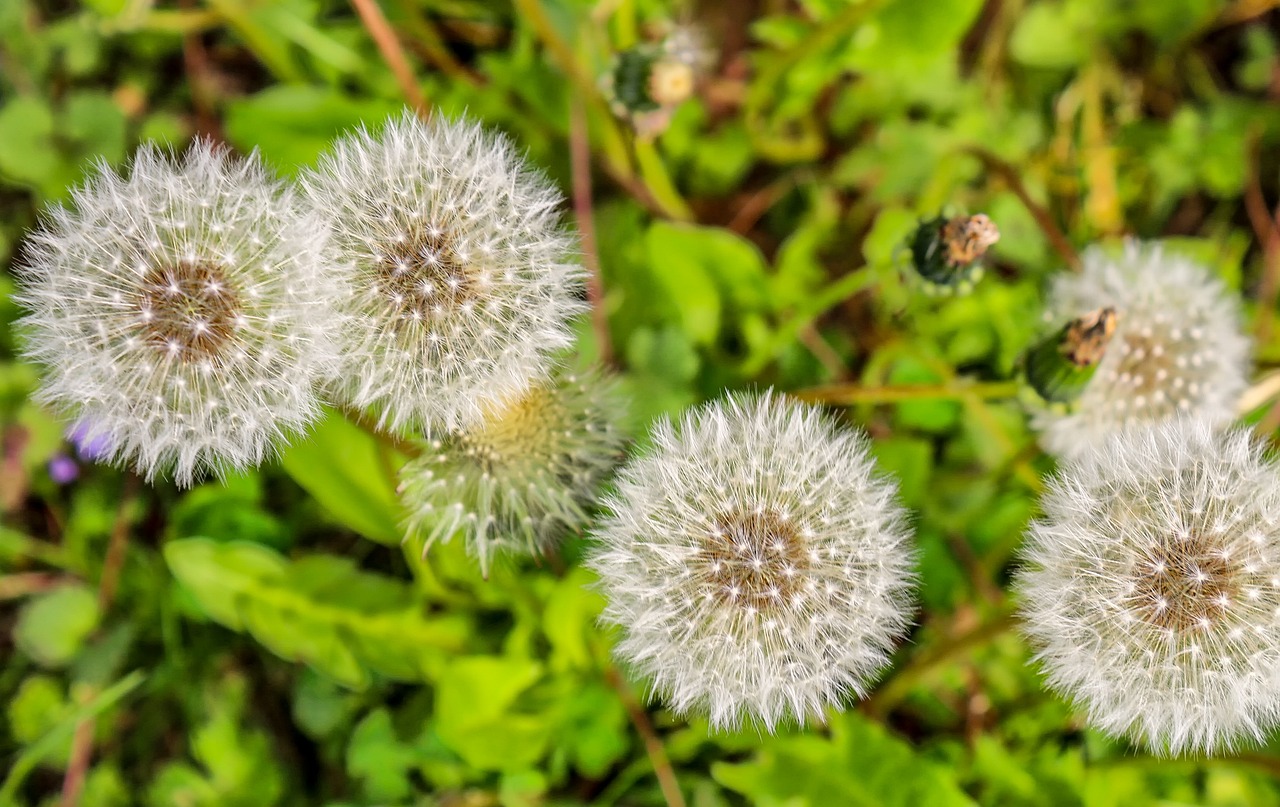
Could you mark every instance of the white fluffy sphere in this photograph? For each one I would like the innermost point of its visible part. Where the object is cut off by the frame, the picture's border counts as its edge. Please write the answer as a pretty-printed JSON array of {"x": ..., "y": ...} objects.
[
  {"x": 465, "y": 281},
  {"x": 181, "y": 311},
  {"x": 1151, "y": 586},
  {"x": 758, "y": 567},
  {"x": 1178, "y": 348}
]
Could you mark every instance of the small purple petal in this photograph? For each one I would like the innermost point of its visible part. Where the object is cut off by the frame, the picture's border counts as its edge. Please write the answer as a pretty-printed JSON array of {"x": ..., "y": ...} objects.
[
  {"x": 90, "y": 446},
  {"x": 63, "y": 470}
]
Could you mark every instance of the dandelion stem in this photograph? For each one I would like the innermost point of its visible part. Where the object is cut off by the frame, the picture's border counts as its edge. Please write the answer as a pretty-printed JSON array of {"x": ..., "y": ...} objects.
[
  {"x": 375, "y": 22},
  {"x": 850, "y": 394},
  {"x": 580, "y": 162},
  {"x": 1057, "y": 239},
  {"x": 900, "y": 683},
  {"x": 652, "y": 743}
]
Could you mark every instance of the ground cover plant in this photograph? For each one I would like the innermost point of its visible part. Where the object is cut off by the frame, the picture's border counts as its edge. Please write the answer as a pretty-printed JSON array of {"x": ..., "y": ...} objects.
[{"x": 632, "y": 402}]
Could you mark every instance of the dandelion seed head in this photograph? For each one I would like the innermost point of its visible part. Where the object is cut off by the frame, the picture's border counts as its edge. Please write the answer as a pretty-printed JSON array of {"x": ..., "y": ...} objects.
[
  {"x": 758, "y": 568},
  {"x": 1178, "y": 348},
  {"x": 524, "y": 476},
  {"x": 180, "y": 311},
  {"x": 465, "y": 282},
  {"x": 1148, "y": 586}
]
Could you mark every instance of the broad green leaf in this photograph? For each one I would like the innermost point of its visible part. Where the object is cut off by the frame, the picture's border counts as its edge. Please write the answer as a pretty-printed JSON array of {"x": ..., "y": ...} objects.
[
  {"x": 345, "y": 623},
  {"x": 860, "y": 764},
  {"x": 474, "y": 712},
  {"x": 679, "y": 261},
  {"x": 378, "y": 757},
  {"x": 350, "y": 473},
  {"x": 27, "y": 151},
  {"x": 52, "y": 626}
]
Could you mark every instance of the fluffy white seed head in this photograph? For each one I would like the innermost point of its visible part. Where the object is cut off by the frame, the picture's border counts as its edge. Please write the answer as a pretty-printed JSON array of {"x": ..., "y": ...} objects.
[
  {"x": 1178, "y": 348},
  {"x": 1151, "y": 586},
  {"x": 757, "y": 566},
  {"x": 181, "y": 311},
  {"x": 465, "y": 281},
  {"x": 524, "y": 476}
]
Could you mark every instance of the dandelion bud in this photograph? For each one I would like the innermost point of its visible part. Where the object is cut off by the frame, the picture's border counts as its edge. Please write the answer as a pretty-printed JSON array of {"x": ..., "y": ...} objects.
[
  {"x": 1152, "y": 584},
  {"x": 523, "y": 476},
  {"x": 647, "y": 82},
  {"x": 464, "y": 281},
  {"x": 757, "y": 566},
  {"x": 1059, "y": 367},
  {"x": 1177, "y": 347},
  {"x": 181, "y": 312},
  {"x": 947, "y": 252}
]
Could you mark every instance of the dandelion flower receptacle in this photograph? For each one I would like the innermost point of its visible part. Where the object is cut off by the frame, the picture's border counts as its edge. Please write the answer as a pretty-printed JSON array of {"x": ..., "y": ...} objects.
[
  {"x": 1177, "y": 347},
  {"x": 525, "y": 475},
  {"x": 465, "y": 282},
  {"x": 181, "y": 312},
  {"x": 1151, "y": 586},
  {"x": 758, "y": 568}
]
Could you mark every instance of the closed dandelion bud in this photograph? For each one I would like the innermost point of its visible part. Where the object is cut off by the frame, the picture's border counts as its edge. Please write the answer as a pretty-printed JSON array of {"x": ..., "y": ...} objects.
[
  {"x": 647, "y": 82},
  {"x": 1151, "y": 586},
  {"x": 757, "y": 566},
  {"x": 524, "y": 475},
  {"x": 947, "y": 252},
  {"x": 1177, "y": 348},
  {"x": 464, "y": 280},
  {"x": 1060, "y": 367},
  {"x": 181, "y": 312}
]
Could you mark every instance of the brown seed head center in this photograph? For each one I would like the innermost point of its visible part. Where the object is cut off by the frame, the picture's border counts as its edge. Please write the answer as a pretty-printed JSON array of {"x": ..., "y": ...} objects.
[
  {"x": 753, "y": 559},
  {"x": 424, "y": 278},
  {"x": 1182, "y": 585},
  {"x": 188, "y": 309}
]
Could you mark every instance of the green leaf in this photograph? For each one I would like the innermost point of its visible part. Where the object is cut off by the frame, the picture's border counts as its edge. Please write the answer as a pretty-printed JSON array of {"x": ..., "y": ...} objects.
[
  {"x": 53, "y": 626},
  {"x": 909, "y": 35},
  {"x": 378, "y": 757},
  {"x": 291, "y": 124},
  {"x": 350, "y": 473},
  {"x": 27, "y": 152},
  {"x": 345, "y": 623},
  {"x": 474, "y": 714},
  {"x": 860, "y": 764},
  {"x": 678, "y": 261}
]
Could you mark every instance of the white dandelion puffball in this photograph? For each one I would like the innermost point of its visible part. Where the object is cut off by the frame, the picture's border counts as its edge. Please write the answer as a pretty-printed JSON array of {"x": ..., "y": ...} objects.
[
  {"x": 758, "y": 567},
  {"x": 465, "y": 281},
  {"x": 1151, "y": 586},
  {"x": 181, "y": 312},
  {"x": 1178, "y": 348},
  {"x": 524, "y": 476}
]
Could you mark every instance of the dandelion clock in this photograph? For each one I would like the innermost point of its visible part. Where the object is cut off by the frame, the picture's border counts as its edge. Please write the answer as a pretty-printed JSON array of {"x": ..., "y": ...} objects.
[
  {"x": 758, "y": 567},
  {"x": 181, "y": 312}
]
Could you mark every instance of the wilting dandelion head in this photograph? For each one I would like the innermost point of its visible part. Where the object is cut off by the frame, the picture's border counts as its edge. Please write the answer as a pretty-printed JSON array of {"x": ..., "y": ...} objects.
[
  {"x": 524, "y": 475},
  {"x": 757, "y": 566},
  {"x": 1177, "y": 349},
  {"x": 181, "y": 311},
  {"x": 1151, "y": 586},
  {"x": 465, "y": 281}
]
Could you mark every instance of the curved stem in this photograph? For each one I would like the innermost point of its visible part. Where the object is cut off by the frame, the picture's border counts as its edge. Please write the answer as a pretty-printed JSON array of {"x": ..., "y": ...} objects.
[{"x": 652, "y": 743}]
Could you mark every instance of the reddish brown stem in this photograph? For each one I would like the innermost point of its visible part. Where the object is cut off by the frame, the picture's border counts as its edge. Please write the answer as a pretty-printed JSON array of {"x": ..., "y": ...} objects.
[
  {"x": 375, "y": 22},
  {"x": 652, "y": 743},
  {"x": 1057, "y": 239},
  {"x": 580, "y": 162}
]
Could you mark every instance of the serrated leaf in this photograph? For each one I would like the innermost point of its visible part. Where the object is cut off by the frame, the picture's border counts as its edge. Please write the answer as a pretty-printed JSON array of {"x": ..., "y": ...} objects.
[{"x": 329, "y": 620}]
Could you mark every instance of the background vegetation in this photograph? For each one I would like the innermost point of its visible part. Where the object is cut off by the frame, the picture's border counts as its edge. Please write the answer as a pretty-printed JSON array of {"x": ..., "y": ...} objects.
[{"x": 267, "y": 640}]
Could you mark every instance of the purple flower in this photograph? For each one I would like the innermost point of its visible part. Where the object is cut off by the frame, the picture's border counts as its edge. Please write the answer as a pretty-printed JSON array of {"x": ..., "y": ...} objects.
[{"x": 63, "y": 470}]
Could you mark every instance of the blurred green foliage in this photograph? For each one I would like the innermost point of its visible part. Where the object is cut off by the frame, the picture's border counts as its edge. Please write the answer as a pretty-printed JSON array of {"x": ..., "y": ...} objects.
[{"x": 268, "y": 640}]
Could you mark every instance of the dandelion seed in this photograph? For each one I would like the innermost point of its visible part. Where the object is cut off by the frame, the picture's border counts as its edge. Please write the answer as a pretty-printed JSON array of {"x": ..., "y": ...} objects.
[
  {"x": 1146, "y": 588},
  {"x": 523, "y": 477},
  {"x": 1177, "y": 347},
  {"x": 465, "y": 282},
  {"x": 180, "y": 312},
  {"x": 757, "y": 567}
]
